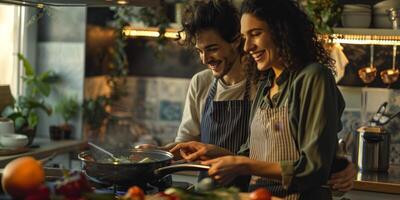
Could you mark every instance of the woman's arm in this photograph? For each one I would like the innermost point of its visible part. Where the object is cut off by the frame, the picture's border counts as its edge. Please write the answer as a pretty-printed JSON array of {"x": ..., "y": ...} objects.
[{"x": 317, "y": 106}]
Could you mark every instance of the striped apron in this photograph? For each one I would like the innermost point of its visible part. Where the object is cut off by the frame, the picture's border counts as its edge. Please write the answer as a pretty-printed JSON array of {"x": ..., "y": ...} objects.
[
  {"x": 272, "y": 141},
  {"x": 226, "y": 124}
]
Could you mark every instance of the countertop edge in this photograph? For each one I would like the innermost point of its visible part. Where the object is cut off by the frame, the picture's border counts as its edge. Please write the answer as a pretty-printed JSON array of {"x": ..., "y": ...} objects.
[{"x": 373, "y": 186}]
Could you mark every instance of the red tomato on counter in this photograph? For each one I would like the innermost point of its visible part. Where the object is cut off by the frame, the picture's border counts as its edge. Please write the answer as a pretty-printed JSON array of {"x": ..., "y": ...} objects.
[
  {"x": 260, "y": 194},
  {"x": 135, "y": 193}
]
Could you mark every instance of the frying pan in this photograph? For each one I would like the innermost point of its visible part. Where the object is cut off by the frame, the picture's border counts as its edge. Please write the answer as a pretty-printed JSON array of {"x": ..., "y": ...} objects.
[{"x": 127, "y": 174}]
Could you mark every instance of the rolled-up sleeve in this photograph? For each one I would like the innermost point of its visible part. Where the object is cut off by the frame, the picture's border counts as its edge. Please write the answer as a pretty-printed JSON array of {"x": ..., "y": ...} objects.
[{"x": 315, "y": 105}]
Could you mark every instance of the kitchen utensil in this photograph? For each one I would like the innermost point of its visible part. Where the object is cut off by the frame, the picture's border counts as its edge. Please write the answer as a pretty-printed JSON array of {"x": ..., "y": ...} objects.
[
  {"x": 127, "y": 174},
  {"x": 105, "y": 151},
  {"x": 379, "y": 113},
  {"x": 390, "y": 76},
  {"x": 368, "y": 74},
  {"x": 394, "y": 16},
  {"x": 385, "y": 119},
  {"x": 371, "y": 148}
]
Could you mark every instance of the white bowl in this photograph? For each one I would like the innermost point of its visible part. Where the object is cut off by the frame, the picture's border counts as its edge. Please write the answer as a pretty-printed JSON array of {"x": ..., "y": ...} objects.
[
  {"x": 357, "y": 7},
  {"x": 356, "y": 19},
  {"x": 382, "y": 21},
  {"x": 387, "y": 4},
  {"x": 12, "y": 140}
]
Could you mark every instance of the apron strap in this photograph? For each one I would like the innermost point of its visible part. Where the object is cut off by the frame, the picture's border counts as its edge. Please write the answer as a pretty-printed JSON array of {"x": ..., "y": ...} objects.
[
  {"x": 213, "y": 89},
  {"x": 247, "y": 90}
]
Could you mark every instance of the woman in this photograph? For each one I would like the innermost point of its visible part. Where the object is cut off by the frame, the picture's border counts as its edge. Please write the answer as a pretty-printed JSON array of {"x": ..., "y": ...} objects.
[{"x": 296, "y": 114}]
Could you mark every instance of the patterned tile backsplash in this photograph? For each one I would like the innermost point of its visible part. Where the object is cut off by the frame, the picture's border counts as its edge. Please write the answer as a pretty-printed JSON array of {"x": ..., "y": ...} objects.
[{"x": 156, "y": 106}]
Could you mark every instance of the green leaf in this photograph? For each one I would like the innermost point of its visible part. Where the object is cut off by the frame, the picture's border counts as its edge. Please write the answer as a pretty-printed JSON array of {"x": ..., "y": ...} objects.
[
  {"x": 33, "y": 119},
  {"x": 27, "y": 66},
  {"x": 19, "y": 123},
  {"x": 43, "y": 88},
  {"x": 9, "y": 110}
]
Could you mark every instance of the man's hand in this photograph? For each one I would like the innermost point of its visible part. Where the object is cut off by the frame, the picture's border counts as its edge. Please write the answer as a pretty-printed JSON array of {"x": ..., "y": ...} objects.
[
  {"x": 225, "y": 169},
  {"x": 191, "y": 151},
  {"x": 343, "y": 180}
]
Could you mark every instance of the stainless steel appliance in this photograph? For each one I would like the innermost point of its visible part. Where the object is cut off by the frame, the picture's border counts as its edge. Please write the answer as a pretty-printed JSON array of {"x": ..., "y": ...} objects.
[{"x": 371, "y": 148}]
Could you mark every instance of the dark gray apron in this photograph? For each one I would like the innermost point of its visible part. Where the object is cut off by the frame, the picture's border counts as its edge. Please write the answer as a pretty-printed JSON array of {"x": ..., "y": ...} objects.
[{"x": 226, "y": 124}]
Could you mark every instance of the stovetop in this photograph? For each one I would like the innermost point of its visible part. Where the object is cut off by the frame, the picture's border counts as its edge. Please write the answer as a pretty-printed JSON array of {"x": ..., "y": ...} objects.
[{"x": 148, "y": 188}]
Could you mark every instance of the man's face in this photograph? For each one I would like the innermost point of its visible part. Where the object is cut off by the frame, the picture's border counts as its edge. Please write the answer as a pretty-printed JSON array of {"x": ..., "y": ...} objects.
[{"x": 215, "y": 52}]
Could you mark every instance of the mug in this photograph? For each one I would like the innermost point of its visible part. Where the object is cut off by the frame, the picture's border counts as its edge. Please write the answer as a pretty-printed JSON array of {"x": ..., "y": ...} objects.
[{"x": 6, "y": 126}]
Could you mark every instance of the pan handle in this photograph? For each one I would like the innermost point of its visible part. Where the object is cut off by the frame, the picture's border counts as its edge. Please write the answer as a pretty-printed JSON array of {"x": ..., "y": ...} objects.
[{"x": 162, "y": 171}]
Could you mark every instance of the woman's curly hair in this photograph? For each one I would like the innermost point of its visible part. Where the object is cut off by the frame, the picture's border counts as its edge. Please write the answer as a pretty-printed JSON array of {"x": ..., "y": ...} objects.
[{"x": 292, "y": 32}]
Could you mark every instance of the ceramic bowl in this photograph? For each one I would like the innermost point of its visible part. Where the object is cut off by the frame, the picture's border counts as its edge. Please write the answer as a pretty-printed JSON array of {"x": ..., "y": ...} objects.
[
  {"x": 6, "y": 126},
  {"x": 356, "y": 19},
  {"x": 12, "y": 140}
]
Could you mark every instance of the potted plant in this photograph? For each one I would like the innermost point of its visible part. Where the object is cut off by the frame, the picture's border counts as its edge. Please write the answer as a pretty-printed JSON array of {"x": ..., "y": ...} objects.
[
  {"x": 324, "y": 13},
  {"x": 68, "y": 108},
  {"x": 24, "y": 112},
  {"x": 95, "y": 114}
]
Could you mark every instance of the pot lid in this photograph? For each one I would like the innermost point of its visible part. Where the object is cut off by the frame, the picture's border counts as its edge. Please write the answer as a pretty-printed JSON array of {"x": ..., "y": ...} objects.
[
  {"x": 372, "y": 129},
  {"x": 83, "y": 3}
]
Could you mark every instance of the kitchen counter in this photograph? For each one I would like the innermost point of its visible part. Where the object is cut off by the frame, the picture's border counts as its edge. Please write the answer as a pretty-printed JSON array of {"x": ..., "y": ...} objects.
[
  {"x": 379, "y": 182},
  {"x": 43, "y": 147}
]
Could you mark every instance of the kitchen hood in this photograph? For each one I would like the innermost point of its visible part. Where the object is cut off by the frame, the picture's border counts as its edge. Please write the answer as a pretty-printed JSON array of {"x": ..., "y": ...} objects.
[{"x": 84, "y": 3}]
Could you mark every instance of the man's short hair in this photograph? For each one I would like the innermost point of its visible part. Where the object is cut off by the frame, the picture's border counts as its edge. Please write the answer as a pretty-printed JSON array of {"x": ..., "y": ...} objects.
[{"x": 217, "y": 15}]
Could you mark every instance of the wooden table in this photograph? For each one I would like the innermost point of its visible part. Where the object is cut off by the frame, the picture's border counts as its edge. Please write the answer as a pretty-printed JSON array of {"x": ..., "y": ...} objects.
[{"x": 46, "y": 147}]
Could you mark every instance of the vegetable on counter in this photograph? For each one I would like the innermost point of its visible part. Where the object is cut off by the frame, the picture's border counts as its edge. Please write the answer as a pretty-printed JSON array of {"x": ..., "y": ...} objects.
[{"x": 260, "y": 194}]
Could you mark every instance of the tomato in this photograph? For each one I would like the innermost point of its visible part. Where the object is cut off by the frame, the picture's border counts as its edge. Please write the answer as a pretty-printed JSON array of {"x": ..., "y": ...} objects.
[
  {"x": 135, "y": 193},
  {"x": 41, "y": 193},
  {"x": 260, "y": 194},
  {"x": 73, "y": 185},
  {"x": 167, "y": 196}
]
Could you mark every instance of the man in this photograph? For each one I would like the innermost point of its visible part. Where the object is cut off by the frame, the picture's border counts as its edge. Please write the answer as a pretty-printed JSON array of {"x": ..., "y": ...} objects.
[{"x": 218, "y": 103}]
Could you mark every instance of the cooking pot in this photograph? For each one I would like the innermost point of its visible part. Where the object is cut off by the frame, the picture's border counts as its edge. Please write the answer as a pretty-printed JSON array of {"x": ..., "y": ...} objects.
[
  {"x": 371, "y": 148},
  {"x": 127, "y": 174}
]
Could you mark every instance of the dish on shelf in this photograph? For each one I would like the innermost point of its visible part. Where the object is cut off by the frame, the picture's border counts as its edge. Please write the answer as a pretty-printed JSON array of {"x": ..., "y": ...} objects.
[{"x": 13, "y": 141}]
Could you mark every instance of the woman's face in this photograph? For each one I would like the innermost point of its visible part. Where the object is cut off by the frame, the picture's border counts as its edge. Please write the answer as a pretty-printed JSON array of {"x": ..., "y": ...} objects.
[{"x": 258, "y": 41}]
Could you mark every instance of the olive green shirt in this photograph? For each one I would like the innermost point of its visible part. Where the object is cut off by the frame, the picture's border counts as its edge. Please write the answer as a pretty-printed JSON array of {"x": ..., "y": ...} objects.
[{"x": 315, "y": 106}]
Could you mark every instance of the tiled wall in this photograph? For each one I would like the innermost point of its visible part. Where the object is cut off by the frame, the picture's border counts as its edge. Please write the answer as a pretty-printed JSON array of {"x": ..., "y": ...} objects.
[{"x": 156, "y": 106}]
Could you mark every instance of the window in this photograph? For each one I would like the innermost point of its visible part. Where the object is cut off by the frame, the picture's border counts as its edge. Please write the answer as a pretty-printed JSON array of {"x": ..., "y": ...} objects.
[{"x": 9, "y": 45}]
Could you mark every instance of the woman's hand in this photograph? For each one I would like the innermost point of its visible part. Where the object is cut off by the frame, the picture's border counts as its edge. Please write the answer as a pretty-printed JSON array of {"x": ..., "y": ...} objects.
[
  {"x": 343, "y": 180},
  {"x": 193, "y": 150},
  {"x": 225, "y": 169}
]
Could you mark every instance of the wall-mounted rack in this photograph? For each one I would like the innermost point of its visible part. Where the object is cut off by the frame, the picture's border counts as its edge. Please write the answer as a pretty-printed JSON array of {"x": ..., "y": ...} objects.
[
  {"x": 341, "y": 35},
  {"x": 365, "y": 36},
  {"x": 130, "y": 31}
]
